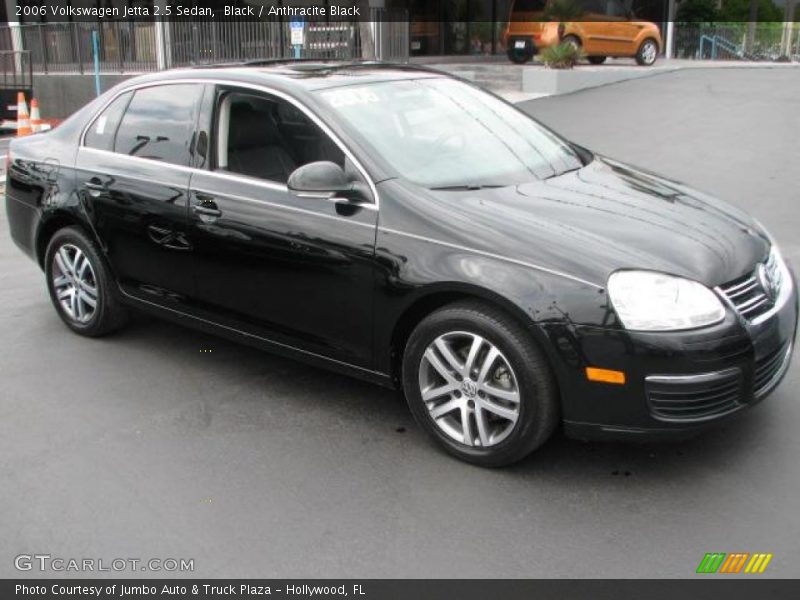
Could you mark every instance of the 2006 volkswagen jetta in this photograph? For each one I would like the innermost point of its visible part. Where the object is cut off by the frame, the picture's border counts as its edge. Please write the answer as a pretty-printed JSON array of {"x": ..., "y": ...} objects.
[{"x": 405, "y": 227}]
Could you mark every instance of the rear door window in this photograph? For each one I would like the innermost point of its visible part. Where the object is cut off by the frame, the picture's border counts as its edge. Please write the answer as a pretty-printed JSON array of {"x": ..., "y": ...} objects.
[
  {"x": 159, "y": 123},
  {"x": 101, "y": 133}
]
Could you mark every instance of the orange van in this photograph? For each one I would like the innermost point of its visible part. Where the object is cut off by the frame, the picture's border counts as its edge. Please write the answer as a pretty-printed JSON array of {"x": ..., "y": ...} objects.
[{"x": 601, "y": 28}]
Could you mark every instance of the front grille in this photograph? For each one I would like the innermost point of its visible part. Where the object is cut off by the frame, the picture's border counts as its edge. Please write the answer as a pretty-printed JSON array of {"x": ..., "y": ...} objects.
[
  {"x": 694, "y": 397},
  {"x": 768, "y": 370},
  {"x": 748, "y": 294}
]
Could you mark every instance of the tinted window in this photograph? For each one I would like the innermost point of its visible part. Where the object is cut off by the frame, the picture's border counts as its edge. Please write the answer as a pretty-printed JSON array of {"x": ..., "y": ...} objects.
[
  {"x": 529, "y": 5},
  {"x": 159, "y": 123},
  {"x": 101, "y": 133},
  {"x": 594, "y": 7},
  {"x": 614, "y": 8},
  {"x": 267, "y": 137}
]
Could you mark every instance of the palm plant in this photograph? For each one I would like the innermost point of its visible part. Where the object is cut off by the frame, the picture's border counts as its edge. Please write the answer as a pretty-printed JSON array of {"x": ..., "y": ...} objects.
[{"x": 560, "y": 56}]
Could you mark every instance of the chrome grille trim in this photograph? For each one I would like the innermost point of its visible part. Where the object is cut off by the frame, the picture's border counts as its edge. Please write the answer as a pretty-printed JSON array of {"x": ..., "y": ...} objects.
[
  {"x": 747, "y": 296},
  {"x": 752, "y": 284},
  {"x": 696, "y": 398},
  {"x": 770, "y": 370},
  {"x": 739, "y": 289}
]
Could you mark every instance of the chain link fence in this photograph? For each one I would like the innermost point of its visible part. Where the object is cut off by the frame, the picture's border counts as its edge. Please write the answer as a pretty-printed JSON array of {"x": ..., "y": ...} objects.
[
  {"x": 124, "y": 46},
  {"x": 729, "y": 41}
]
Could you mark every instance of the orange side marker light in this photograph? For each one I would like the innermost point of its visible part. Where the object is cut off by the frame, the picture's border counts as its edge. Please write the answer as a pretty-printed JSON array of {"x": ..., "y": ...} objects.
[{"x": 605, "y": 375}]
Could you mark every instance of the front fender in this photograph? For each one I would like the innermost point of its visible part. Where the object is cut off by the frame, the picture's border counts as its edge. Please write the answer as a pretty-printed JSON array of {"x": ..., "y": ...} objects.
[{"x": 537, "y": 299}]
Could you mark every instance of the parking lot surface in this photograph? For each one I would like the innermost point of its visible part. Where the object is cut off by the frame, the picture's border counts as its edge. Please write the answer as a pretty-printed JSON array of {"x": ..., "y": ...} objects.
[{"x": 162, "y": 442}]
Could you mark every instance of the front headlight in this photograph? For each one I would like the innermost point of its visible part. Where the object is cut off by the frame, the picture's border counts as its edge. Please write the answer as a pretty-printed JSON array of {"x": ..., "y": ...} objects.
[{"x": 651, "y": 301}]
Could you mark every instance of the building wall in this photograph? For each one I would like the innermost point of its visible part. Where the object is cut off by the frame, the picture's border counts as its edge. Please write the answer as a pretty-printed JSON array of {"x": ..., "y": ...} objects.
[{"x": 61, "y": 95}]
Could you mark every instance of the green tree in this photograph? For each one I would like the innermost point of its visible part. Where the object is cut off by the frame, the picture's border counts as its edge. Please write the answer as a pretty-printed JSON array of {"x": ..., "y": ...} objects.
[
  {"x": 563, "y": 10},
  {"x": 739, "y": 10},
  {"x": 697, "y": 11}
]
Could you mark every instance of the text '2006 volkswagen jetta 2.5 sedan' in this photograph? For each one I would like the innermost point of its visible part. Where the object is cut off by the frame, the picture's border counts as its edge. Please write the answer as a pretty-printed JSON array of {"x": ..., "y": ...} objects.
[{"x": 406, "y": 227}]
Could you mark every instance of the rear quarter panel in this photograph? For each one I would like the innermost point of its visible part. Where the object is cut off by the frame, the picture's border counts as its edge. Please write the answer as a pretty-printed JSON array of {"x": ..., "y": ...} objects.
[
  {"x": 39, "y": 179},
  {"x": 40, "y": 182}
]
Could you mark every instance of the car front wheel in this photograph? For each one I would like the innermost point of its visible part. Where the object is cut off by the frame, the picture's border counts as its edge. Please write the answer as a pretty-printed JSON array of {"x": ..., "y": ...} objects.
[
  {"x": 80, "y": 284},
  {"x": 647, "y": 54},
  {"x": 479, "y": 385}
]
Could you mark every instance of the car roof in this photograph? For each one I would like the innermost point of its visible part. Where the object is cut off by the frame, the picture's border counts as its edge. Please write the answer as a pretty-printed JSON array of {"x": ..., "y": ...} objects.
[{"x": 299, "y": 75}]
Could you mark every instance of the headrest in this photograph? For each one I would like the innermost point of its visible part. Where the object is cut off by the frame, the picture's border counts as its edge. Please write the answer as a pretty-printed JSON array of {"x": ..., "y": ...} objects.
[{"x": 251, "y": 128}]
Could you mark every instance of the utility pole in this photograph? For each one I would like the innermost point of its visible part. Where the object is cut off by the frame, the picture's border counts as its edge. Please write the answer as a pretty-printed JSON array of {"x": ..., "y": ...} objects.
[
  {"x": 751, "y": 26},
  {"x": 788, "y": 27},
  {"x": 365, "y": 25}
]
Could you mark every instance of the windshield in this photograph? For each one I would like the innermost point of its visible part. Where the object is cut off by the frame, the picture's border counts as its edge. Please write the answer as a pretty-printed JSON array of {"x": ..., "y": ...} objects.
[{"x": 442, "y": 133}]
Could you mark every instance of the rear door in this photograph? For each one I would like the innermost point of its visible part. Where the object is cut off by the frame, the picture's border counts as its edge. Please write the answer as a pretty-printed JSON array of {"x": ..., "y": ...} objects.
[
  {"x": 296, "y": 271},
  {"x": 133, "y": 177}
]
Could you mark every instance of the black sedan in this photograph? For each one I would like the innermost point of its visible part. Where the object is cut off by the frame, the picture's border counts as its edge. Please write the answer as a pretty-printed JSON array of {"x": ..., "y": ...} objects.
[{"x": 402, "y": 226}]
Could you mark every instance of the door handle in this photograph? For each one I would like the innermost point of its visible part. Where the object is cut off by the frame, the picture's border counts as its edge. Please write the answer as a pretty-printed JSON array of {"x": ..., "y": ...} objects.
[
  {"x": 95, "y": 187},
  {"x": 207, "y": 209}
]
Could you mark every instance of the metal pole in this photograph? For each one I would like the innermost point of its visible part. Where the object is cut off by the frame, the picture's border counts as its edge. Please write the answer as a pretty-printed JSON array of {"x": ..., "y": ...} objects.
[
  {"x": 42, "y": 47},
  {"x": 669, "y": 49},
  {"x": 96, "y": 52},
  {"x": 76, "y": 43}
]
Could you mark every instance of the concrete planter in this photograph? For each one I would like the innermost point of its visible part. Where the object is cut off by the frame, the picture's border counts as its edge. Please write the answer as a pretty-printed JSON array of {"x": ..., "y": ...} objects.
[{"x": 538, "y": 80}]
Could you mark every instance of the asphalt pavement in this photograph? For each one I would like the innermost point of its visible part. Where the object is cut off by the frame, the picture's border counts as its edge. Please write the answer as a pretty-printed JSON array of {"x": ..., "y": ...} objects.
[{"x": 161, "y": 442}]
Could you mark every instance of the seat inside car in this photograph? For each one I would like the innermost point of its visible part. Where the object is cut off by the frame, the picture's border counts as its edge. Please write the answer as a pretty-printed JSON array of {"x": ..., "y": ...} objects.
[{"x": 255, "y": 145}]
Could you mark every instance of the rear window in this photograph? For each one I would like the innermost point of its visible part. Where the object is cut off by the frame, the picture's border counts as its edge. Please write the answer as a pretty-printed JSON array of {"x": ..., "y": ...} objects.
[{"x": 159, "y": 123}]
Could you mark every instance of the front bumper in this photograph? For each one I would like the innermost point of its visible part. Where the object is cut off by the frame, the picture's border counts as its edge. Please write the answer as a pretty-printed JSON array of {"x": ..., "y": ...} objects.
[{"x": 678, "y": 383}]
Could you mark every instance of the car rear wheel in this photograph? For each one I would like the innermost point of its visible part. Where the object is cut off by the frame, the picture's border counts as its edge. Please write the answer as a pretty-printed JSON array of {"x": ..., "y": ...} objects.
[
  {"x": 80, "y": 284},
  {"x": 520, "y": 56},
  {"x": 478, "y": 384},
  {"x": 647, "y": 54},
  {"x": 572, "y": 40},
  {"x": 596, "y": 60}
]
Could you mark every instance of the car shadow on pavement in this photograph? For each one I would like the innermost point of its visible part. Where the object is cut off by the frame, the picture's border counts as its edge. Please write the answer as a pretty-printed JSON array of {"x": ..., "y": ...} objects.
[{"x": 238, "y": 380}]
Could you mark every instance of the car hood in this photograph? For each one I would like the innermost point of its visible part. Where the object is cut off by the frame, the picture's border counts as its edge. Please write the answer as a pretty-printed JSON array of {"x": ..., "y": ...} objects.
[{"x": 604, "y": 217}]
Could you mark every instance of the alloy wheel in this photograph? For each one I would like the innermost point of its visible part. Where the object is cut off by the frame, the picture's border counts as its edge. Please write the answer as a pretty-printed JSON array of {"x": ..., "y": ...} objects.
[
  {"x": 75, "y": 283},
  {"x": 469, "y": 389},
  {"x": 649, "y": 52}
]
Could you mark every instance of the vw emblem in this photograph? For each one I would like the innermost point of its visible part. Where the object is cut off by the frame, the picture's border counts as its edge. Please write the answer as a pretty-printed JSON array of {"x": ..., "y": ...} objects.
[
  {"x": 469, "y": 387},
  {"x": 767, "y": 282}
]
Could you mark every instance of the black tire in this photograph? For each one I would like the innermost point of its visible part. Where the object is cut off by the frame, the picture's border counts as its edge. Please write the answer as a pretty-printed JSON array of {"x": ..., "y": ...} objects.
[
  {"x": 538, "y": 407},
  {"x": 519, "y": 59},
  {"x": 108, "y": 314},
  {"x": 647, "y": 53},
  {"x": 520, "y": 56},
  {"x": 596, "y": 60}
]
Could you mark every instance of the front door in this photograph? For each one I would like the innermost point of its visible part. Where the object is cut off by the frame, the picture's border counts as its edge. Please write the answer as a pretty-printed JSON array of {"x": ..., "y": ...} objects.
[{"x": 296, "y": 271}]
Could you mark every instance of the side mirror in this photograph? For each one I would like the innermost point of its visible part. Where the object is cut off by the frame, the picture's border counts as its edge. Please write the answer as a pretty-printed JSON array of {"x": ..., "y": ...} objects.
[{"x": 322, "y": 179}]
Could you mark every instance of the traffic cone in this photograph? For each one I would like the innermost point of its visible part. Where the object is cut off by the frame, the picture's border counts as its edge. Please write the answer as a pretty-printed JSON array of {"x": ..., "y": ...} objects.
[
  {"x": 23, "y": 119},
  {"x": 37, "y": 123}
]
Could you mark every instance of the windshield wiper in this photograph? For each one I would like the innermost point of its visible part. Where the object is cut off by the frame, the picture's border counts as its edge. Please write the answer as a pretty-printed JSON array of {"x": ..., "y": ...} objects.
[{"x": 466, "y": 187}]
